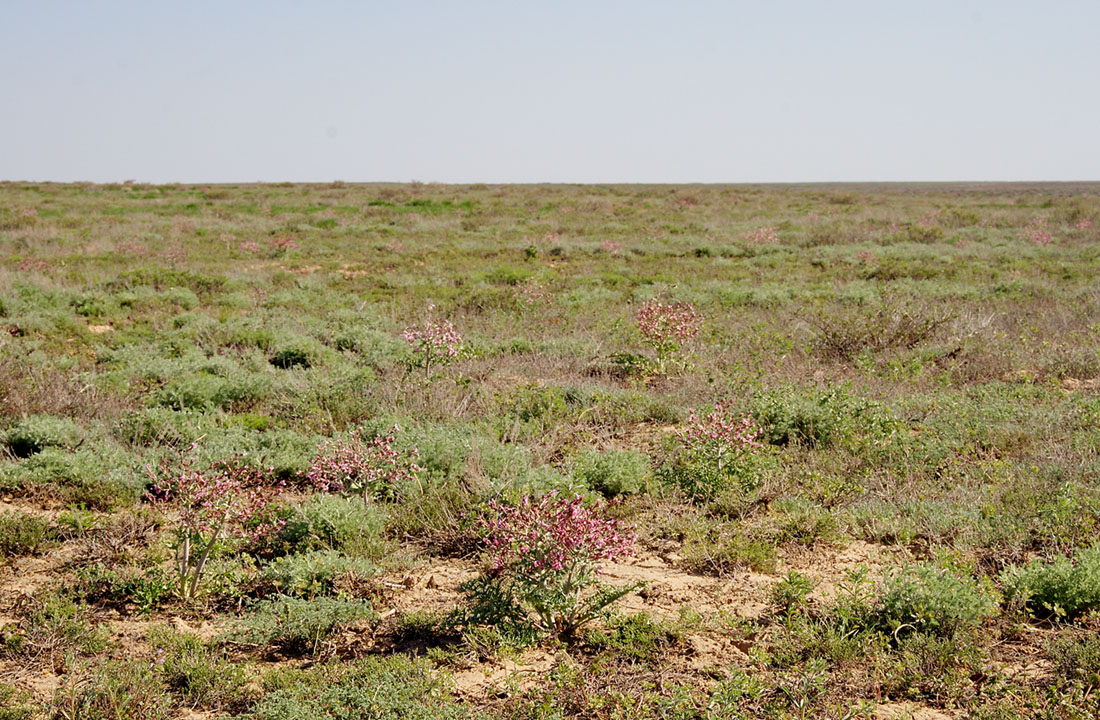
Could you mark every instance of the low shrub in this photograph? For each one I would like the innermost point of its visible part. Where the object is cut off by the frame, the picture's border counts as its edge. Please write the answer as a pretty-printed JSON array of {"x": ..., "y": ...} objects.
[
  {"x": 320, "y": 572},
  {"x": 15, "y": 704},
  {"x": 934, "y": 600},
  {"x": 198, "y": 674},
  {"x": 819, "y": 418},
  {"x": 296, "y": 626},
  {"x": 330, "y": 522},
  {"x": 373, "y": 688},
  {"x": 637, "y": 637},
  {"x": 35, "y": 433},
  {"x": 1076, "y": 656},
  {"x": 23, "y": 534},
  {"x": 1063, "y": 587},
  {"x": 613, "y": 472},
  {"x": 114, "y": 690}
]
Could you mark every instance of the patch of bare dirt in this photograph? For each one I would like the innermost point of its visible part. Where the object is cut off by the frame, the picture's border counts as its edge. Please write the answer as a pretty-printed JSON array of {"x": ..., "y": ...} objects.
[
  {"x": 910, "y": 711},
  {"x": 667, "y": 590},
  {"x": 503, "y": 677},
  {"x": 828, "y": 568}
]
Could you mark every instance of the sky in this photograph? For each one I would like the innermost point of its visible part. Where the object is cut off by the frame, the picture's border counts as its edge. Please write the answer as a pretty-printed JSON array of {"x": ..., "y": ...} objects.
[{"x": 587, "y": 92}]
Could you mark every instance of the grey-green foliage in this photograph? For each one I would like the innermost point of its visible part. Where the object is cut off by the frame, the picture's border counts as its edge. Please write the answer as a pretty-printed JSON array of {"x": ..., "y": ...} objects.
[
  {"x": 298, "y": 626},
  {"x": 613, "y": 472},
  {"x": 315, "y": 573},
  {"x": 15, "y": 704},
  {"x": 373, "y": 688},
  {"x": 100, "y": 477},
  {"x": 931, "y": 599},
  {"x": 334, "y": 523},
  {"x": 1063, "y": 587},
  {"x": 35, "y": 433}
]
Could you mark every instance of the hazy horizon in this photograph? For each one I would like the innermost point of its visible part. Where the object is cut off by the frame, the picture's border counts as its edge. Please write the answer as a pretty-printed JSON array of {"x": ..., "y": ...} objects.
[{"x": 570, "y": 93}]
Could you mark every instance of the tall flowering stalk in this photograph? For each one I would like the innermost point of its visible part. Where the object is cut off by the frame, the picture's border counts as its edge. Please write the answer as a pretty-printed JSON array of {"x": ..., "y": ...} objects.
[
  {"x": 720, "y": 434},
  {"x": 717, "y": 448},
  {"x": 666, "y": 328},
  {"x": 225, "y": 500},
  {"x": 433, "y": 341},
  {"x": 370, "y": 467},
  {"x": 545, "y": 557}
]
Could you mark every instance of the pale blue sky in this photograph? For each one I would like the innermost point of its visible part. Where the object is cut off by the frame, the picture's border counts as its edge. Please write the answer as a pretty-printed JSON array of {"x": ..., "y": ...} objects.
[{"x": 692, "y": 91}]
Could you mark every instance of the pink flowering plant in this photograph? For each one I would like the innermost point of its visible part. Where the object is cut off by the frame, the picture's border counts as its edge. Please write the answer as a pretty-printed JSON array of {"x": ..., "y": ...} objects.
[
  {"x": 667, "y": 328},
  {"x": 716, "y": 448},
  {"x": 225, "y": 501},
  {"x": 370, "y": 467},
  {"x": 545, "y": 558},
  {"x": 762, "y": 236},
  {"x": 433, "y": 341}
]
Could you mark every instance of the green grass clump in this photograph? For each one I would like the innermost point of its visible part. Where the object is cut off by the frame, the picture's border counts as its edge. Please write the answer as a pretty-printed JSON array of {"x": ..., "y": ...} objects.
[
  {"x": 1076, "y": 656},
  {"x": 638, "y": 636},
  {"x": 331, "y": 522},
  {"x": 23, "y": 534},
  {"x": 114, "y": 690},
  {"x": 15, "y": 704},
  {"x": 198, "y": 674},
  {"x": 98, "y": 478},
  {"x": 393, "y": 688},
  {"x": 1063, "y": 587}
]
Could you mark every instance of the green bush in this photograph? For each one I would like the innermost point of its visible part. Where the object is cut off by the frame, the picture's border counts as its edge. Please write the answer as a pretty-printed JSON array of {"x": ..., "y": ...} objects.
[
  {"x": 375, "y": 688},
  {"x": 820, "y": 418},
  {"x": 295, "y": 626},
  {"x": 35, "y": 433},
  {"x": 23, "y": 534},
  {"x": 331, "y": 522},
  {"x": 1062, "y": 587},
  {"x": 315, "y": 573},
  {"x": 101, "y": 479},
  {"x": 204, "y": 391},
  {"x": 930, "y": 599},
  {"x": 614, "y": 472},
  {"x": 301, "y": 355},
  {"x": 637, "y": 636}
]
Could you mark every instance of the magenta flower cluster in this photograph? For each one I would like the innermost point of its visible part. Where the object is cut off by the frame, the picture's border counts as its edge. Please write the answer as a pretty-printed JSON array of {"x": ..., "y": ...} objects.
[
  {"x": 433, "y": 340},
  {"x": 721, "y": 432},
  {"x": 662, "y": 325},
  {"x": 532, "y": 292},
  {"x": 545, "y": 557},
  {"x": 1083, "y": 224},
  {"x": 224, "y": 500},
  {"x": 1037, "y": 232},
  {"x": 360, "y": 465},
  {"x": 762, "y": 236},
  {"x": 553, "y": 536}
]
